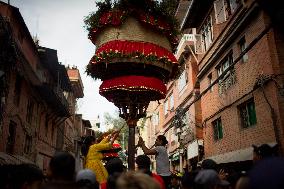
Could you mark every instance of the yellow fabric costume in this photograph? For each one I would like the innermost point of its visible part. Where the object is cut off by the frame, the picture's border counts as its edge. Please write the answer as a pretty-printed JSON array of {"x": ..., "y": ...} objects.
[{"x": 94, "y": 160}]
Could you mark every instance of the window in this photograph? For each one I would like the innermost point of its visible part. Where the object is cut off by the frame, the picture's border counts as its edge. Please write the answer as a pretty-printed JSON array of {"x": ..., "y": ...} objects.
[
  {"x": 225, "y": 64},
  {"x": 11, "y": 137},
  {"x": 166, "y": 107},
  {"x": 229, "y": 77},
  {"x": 224, "y": 9},
  {"x": 17, "y": 90},
  {"x": 218, "y": 129},
  {"x": 182, "y": 81},
  {"x": 28, "y": 144},
  {"x": 219, "y": 7},
  {"x": 30, "y": 108},
  {"x": 171, "y": 102},
  {"x": 247, "y": 113},
  {"x": 242, "y": 46},
  {"x": 234, "y": 4},
  {"x": 207, "y": 33},
  {"x": 210, "y": 81}
]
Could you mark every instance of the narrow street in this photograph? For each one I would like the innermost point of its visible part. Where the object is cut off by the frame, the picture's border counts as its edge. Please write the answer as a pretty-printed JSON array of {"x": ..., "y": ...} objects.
[{"x": 201, "y": 82}]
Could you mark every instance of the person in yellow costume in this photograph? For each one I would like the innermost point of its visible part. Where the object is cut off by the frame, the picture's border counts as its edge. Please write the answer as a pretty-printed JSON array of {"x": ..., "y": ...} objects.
[{"x": 93, "y": 155}]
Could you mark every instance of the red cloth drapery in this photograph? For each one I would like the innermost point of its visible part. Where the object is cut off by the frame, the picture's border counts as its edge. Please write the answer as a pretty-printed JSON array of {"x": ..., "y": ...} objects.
[
  {"x": 134, "y": 83},
  {"x": 133, "y": 49}
]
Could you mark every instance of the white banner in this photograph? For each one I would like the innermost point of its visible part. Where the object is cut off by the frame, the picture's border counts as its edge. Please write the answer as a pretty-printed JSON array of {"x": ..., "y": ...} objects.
[{"x": 192, "y": 149}]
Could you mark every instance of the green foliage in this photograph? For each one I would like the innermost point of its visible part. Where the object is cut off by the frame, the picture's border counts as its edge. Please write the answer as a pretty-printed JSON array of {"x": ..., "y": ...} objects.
[
  {"x": 92, "y": 20},
  {"x": 178, "y": 120},
  {"x": 168, "y": 9},
  {"x": 143, "y": 123},
  {"x": 117, "y": 123},
  {"x": 163, "y": 8}
]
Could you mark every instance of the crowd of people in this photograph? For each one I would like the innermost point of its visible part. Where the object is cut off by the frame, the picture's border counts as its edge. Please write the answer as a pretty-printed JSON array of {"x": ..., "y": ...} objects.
[{"x": 267, "y": 172}]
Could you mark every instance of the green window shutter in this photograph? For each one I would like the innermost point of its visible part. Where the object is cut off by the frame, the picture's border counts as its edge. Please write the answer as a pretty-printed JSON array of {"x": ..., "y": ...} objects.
[
  {"x": 251, "y": 112},
  {"x": 215, "y": 127},
  {"x": 220, "y": 129}
]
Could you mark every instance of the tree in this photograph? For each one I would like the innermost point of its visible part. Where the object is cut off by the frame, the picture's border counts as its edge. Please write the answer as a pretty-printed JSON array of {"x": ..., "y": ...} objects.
[{"x": 117, "y": 123}]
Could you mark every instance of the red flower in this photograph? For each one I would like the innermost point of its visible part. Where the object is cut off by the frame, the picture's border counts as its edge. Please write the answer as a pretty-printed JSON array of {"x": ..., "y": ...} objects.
[
  {"x": 105, "y": 18},
  {"x": 143, "y": 17},
  {"x": 116, "y": 18},
  {"x": 135, "y": 49},
  {"x": 163, "y": 25},
  {"x": 151, "y": 19}
]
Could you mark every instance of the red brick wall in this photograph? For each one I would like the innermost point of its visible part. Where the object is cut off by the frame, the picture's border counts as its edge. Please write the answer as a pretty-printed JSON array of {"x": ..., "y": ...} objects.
[{"x": 259, "y": 62}]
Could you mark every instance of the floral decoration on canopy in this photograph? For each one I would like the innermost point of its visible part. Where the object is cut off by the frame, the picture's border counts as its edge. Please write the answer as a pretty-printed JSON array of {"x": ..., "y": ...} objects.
[
  {"x": 140, "y": 86},
  {"x": 156, "y": 15}
]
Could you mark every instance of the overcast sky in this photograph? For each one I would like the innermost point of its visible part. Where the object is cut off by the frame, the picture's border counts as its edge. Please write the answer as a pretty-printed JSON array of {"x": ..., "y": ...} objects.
[{"x": 59, "y": 25}]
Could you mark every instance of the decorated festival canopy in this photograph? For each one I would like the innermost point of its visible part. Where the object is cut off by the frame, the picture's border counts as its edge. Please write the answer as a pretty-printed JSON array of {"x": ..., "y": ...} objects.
[
  {"x": 112, "y": 153},
  {"x": 134, "y": 40}
]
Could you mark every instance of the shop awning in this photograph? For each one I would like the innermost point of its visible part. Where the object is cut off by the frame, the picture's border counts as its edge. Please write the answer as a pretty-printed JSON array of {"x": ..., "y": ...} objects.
[
  {"x": 234, "y": 156},
  {"x": 244, "y": 154}
]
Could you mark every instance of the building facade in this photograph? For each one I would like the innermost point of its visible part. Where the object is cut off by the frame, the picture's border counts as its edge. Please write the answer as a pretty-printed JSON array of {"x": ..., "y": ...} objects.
[
  {"x": 238, "y": 71},
  {"x": 172, "y": 117},
  {"x": 38, "y": 97},
  {"x": 230, "y": 85}
]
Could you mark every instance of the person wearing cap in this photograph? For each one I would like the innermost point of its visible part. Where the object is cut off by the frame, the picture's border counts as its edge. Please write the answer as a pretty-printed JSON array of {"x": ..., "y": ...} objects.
[
  {"x": 86, "y": 179},
  {"x": 267, "y": 174},
  {"x": 209, "y": 179},
  {"x": 162, "y": 157},
  {"x": 209, "y": 164},
  {"x": 263, "y": 151}
]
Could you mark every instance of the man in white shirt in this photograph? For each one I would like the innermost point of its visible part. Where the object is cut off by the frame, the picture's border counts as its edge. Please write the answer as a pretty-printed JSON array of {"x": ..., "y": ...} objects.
[{"x": 162, "y": 158}]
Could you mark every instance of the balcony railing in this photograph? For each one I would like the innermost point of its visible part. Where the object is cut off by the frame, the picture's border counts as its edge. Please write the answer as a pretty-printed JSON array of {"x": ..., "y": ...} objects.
[
  {"x": 55, "y": 99},
  {"x": 228, "y": 80}
]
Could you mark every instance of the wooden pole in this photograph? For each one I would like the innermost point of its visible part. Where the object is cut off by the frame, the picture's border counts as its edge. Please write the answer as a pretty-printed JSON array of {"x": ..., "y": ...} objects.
[{"x": 131, "y": 144}]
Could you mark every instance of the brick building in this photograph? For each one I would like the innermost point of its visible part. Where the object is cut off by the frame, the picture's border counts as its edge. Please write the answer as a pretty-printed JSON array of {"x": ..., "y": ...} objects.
[
  {"x": 231, "y": 56},
  {"x": 238, "y": 67},
  {"x": 182, "y": 127},
  {"x": 37, "y": 96}
]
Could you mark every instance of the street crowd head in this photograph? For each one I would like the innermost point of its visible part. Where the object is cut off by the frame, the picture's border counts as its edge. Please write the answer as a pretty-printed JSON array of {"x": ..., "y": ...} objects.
[
  {"x": 86, "y": 143},
  {"x": 264, "y": 151},
  {"x": 136, "y": 180},
  {"x": 22, "y": 176},
  {"x": 62, "y": 167},
  {"x": 161, "y": 140},
  {"x": 86, "y": 179}
]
